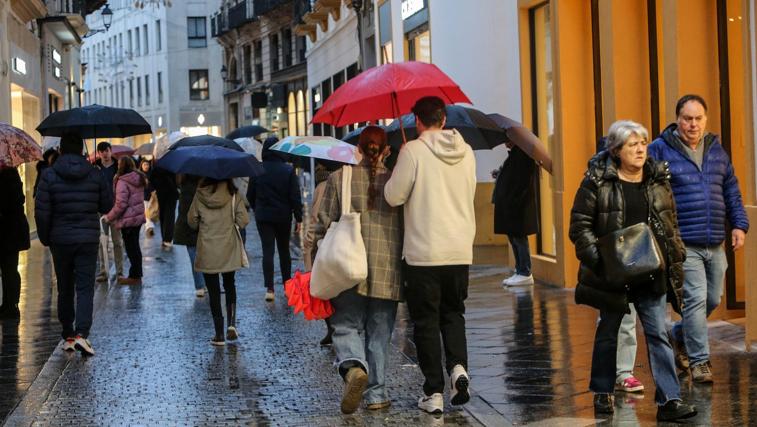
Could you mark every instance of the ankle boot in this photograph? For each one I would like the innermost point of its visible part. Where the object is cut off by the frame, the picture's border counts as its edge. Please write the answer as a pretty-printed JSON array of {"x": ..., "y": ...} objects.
[
  {"x": 231, "y": 314},
  {"x": 218, "y": 325}
]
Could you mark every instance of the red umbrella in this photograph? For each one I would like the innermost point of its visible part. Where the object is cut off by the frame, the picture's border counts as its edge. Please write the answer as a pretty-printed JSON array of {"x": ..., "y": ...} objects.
[
  {"x": 117, "y": 150},
  {"x": 387, "y": 91}
]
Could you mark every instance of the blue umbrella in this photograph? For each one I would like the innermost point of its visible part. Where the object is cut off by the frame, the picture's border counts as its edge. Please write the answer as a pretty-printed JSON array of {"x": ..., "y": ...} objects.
[{"x": 211, "y": 161}]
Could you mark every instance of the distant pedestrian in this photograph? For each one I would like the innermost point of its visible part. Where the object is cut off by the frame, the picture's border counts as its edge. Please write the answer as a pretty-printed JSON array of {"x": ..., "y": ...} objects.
[
  {"x": 107, "y": 164},
  {"x": 707, "y": 195},
  {"x": 275, "y": 198},
  {"x": 164, "y": 183},
  {"x": 217, "y": 212},
  {"x": 145, "y": 166},
  {"x": 48, "y": 158},
  {"x": 186, "y": 235},
  {"x": 367, "y": 311},
  {"x": 435, "y": 181},
  {"x": 515, "y": 212},
  {"x": 15, "y": 231},
  {"x": 128, "y": 215},
  {"x": 622, "y": 188},
  {"x": 70, "y": 195}
]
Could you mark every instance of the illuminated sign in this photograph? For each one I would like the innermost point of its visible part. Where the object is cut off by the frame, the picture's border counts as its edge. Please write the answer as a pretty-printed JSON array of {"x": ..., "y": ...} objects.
[
  {"x": 411, "y": 7},
  {"x": 19, "y": 66},
  {"x": 56, "y": 72},
  {"x": 56, "y": 56}
]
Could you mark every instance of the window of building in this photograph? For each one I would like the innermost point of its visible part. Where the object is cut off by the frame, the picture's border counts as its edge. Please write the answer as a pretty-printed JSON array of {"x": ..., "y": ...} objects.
[
  {"x": 301, "y": 114},
  {"x": 418, "y": 45},
  {"x": 120, "y": 45},
  {"x": 111, "y": 99},
  {"x": 247, "y": 61},
  {"x": 258, "y": 60},
  {"x": 198, "y": 85},
  {"x": 543, "y": 118},
  {"x": 53, "y": 103},
  {"x": 146, "y": 40},
  {"x": 286, "y": 47},
  {"x": 325, "y": 93},
  {"x": 160, "y": 87},
  {"x": 274, "y": 52},
  {"x": 196, "y": 32},
  {"x": 292, "y": 114},
  {"x": 301, "y": 46},
  {"x": 147, "y": 90},
  {"x": 139, "y": 91},
  {"x": 158, "y": 36},
  {"x": 385, "y": 31},
  {"x": 123, "y": 93},
  {"x": 137, "y": 43},
  {"x": 131, "y": 93},
  {"x": 131, "y": 44}
]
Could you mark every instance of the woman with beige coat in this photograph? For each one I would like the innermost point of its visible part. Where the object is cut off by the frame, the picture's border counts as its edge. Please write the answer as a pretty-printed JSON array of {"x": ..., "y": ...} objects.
[{"x": 217, "y": 212}]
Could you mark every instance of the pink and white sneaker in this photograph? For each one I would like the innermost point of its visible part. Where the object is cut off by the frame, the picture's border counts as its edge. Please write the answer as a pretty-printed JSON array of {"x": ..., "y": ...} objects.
[{"x": 630, "y": 385}]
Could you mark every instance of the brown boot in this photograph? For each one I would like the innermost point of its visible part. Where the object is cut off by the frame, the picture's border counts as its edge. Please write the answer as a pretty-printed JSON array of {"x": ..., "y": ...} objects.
[{"x": 354, "y": 385}]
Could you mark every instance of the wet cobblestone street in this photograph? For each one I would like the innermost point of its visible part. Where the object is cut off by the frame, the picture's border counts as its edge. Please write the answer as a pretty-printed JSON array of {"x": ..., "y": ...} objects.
[{"x": 530, "y": 352}]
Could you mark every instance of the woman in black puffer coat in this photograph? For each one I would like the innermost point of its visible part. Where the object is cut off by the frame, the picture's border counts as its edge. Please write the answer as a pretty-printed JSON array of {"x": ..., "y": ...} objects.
[
  {"x": 624, "y": 187},
  {"x": 15, "y": 230}
]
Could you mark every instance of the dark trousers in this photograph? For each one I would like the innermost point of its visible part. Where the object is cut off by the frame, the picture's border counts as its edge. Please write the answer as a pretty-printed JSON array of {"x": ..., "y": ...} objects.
[
  {"x": 522, "y": 254},
  {"x": 133, "y": 251},
  {"x": 275, "y": 235},
  {"x": 167, "y": 207},
  {"x": 214, "y": 291},
  {"x": 11, "y": 278},
  {"x": 436, "y": 301},
  {"x": 75, "y": 268}
]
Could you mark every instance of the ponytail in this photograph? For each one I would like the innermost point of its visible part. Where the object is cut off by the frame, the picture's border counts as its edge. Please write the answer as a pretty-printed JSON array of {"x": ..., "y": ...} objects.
[{"x": 372, "y": 144}]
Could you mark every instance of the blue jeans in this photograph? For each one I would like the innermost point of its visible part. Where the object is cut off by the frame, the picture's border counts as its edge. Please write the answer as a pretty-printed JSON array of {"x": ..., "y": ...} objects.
[
  {"x": 522, "y": 254},
  {"x": 196, "y": 275},
  {"x": 704, "y": 274},
  {"x": 626, "y": 354},
  {"x": 374, "y": 318},
  {"x": 652, "y": 312},
  {"x": 75, "y": 268}
]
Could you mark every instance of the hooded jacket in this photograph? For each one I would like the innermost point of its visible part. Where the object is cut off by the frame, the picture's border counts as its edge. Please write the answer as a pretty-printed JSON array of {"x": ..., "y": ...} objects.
[
  {"x": 13, "y": 224},
  {"x": 219, "y": 246},
  {"x": 599, "y": 209},
  {"x": 705, "y": 198},
  {"x": 275, "y": 195},
  {"x": 129, "y": 207},
  {"x": 70, "y": 195},
  {"x": 435, "y": 180}
]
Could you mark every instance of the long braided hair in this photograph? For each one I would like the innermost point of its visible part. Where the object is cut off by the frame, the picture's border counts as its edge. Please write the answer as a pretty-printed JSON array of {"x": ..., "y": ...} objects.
[{"x": 372, "y": 144}]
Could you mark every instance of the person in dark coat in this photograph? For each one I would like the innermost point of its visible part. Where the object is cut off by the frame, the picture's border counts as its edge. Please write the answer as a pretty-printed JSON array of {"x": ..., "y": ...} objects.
[
  {"x": 70, "y": 195},
  {"x": 515, "y": 212},
  {"x": 183, "y": 233},
  {"x": 164, "y": 183},
  {"x": 109, "y": 167},
  {"x": 48, "y": 158},
  {"x": 275, "y": 198},
  {"x": 623, "y": 187},
  {"x": 15, "y": 230}
]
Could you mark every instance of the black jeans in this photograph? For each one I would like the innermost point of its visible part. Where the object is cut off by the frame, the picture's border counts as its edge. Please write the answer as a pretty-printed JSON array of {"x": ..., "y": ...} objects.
[
  {"x": 11, "y": 279},
  {"x": 275, "y": 234},
  {"x": 167, "y": 207},
  {"x": 133, "y": 251},
  {"x": 75, "y": 267},
  {"x": 436, "y": 301},
  {"x": 214, "y": 291}
]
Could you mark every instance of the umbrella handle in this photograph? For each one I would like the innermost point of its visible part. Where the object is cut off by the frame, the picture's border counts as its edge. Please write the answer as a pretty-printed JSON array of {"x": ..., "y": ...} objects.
[{"x": 396, "y": 107}]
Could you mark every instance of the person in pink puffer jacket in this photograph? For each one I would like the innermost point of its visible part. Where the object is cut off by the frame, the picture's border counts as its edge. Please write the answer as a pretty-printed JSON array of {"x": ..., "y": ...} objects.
[{"x": 128, "y": 214}]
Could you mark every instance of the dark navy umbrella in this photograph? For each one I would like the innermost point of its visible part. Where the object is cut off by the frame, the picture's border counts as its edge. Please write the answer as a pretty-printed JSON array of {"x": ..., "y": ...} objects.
[
  {"x": 247, "y": 132},
  {"x": 211, "y": 161},
  {"x": 206, "y": 140},
  {"x": 95, "y": 121}
]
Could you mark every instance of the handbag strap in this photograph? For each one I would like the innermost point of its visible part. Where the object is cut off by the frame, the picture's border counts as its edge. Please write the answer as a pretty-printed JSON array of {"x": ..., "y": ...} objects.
[
  {"x": 233, "y": 209},
  {"x": 346, "y": 189}
]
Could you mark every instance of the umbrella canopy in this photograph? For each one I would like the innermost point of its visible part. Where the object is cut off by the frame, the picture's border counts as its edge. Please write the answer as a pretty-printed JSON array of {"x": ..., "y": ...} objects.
[
  {"x": 525, "y": 139},
  {"x": 118, "y": 151},
  {"x": 387, "y": 91},
  {"x": 17, "y": 147},
  {"x": 211, "y": 161},
  {"x": 319, "y": 147},
  {"x": 252, "y": 146},
  {"x": 95, "y": 121},
  {"x": 145, "y": 149},
  {"x": 165, "y": 142},
  {"x": 206, "y": 140},
  {"x": 247, "y": 132}
]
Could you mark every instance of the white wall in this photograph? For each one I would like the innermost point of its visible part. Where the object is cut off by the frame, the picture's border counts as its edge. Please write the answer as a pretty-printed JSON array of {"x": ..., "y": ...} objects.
[{"x": 333, "y": 51}]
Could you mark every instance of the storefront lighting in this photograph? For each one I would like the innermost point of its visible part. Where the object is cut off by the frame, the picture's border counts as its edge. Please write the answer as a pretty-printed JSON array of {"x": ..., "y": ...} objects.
[
  {"x": 19, "y": 66},
  {"x": 56, "y": 56},
  {"x": 56, "y": 72},
  {"x": 160, "y": 121},
  {"x": 411, "y": 7},
  {"x": 201, "y": 119}
]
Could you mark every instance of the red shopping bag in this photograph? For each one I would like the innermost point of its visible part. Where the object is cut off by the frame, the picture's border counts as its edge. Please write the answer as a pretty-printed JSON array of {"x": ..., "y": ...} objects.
[{"x": 297, "y": 291}]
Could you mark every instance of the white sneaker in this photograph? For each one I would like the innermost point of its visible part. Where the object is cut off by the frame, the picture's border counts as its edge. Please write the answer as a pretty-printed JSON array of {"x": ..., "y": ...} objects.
[
  {"x": 84, "y": 346},
  {"x": 200, "y": 293},
  {"x": 433, "y": 404},
  {"x": 269, "y": 296},
  {"x": 459, "y": 382},
  {"x": 69, "y": 344},
  {"x": 518, "y": 280}
]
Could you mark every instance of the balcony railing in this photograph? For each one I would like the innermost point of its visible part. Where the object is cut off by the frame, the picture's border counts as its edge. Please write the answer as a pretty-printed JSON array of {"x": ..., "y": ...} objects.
[
  {"x": 238, "y": 15},
  {"x": 261, "y": 7},
  {"x": 218, "y": 25},
  {"x": 66, "y": 7}
]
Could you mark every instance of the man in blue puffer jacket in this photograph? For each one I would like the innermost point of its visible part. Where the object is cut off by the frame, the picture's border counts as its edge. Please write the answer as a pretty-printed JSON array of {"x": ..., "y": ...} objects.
[
  {"x": 707, "y": 195},
  {"x": 70, "y": 195}
]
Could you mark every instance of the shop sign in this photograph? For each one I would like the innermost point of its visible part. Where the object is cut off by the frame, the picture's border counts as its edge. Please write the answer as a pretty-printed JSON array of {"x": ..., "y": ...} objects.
[
  {"x": 56, "y": 72},
  {"x": 411, "y": 7},
  {"x": 56, "y": 56},
  {"x": 19, "y": 66}
]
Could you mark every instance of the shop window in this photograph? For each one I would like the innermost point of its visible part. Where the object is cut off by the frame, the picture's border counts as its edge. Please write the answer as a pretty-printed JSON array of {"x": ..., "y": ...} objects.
[
  {"x": 543, "y": 119},
  {"x": 198, "y": 85},
  {"x": 196, "y": 32},
  {"x": 292, "y": 114},
  {"x": 301, "y": 114},
  {"x": 418, "y": 45}
]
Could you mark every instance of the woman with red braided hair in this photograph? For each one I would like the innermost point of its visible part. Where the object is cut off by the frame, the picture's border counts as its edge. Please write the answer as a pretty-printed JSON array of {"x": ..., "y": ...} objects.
[{"x": 372, "y": 305}]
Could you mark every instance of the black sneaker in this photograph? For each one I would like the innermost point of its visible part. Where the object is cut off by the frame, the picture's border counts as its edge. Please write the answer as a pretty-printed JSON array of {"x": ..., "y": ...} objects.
[
  {"x": 675, "y": 410},
  {"x": 604, "y": 403}
]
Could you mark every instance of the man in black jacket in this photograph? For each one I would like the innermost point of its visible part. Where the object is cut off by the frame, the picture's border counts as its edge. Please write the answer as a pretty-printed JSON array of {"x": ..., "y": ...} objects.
[
  {"x": 70, "y": 195},
  {"x": 109, "y": 167}
]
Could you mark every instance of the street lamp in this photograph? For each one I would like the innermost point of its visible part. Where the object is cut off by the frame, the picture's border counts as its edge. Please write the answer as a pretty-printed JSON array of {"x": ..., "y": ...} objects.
[
  {"x": 224, "y": 72},
  {"x": 107, "y": 16}
]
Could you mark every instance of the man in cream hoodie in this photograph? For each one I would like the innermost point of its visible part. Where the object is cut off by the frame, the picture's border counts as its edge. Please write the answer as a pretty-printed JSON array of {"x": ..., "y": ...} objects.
[{"x": 435, "y": 181}]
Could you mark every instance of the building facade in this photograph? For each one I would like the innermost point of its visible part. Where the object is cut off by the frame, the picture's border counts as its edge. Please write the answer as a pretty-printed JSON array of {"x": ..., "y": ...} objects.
[
  {"x": 264, "y": 66},
  {"x": 159, "y": 59}
]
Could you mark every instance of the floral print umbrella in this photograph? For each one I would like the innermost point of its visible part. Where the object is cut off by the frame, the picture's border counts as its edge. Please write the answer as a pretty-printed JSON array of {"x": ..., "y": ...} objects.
[
  {"x": 319, "y": 147},
  {"x": 17, "y": 147}
]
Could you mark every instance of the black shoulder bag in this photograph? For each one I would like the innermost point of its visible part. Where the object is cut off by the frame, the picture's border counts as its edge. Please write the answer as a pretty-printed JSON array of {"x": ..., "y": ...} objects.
[{"x": 630, "y": 256}]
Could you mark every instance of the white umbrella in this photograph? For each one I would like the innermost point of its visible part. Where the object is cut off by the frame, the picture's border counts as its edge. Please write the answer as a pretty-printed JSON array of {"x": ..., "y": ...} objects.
[
  {"x": 251, "y": 146},
  {"x": 165, "y": 142}
]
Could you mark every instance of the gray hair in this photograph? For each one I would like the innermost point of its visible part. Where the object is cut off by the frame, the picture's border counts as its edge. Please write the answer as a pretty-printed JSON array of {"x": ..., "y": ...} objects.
[{"x": 619, "y": 133}]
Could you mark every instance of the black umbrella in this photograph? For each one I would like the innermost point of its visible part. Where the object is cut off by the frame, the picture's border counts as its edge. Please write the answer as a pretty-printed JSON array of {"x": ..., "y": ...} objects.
[
  {"x": 211, "y": 161},
  {"x": 205, "y": 140},
  {"x": 247, "y": 132},
  {"x": 525, "y": 139},
  {"x": 95, "y": 121}
]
